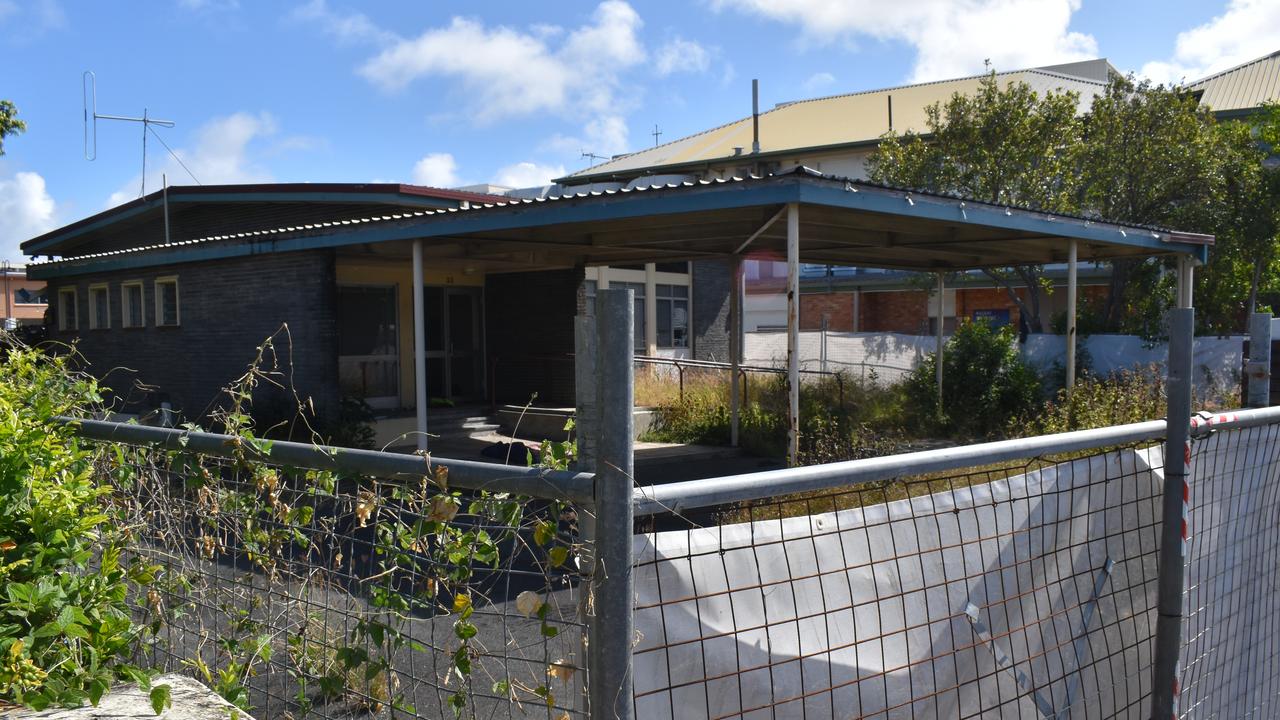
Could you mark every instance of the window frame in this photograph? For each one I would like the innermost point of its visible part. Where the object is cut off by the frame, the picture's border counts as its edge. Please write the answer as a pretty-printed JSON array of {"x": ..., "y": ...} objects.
[
  {"x": 159, "y": 299},
  {"x": 666, "y": 296},
  {"x": 93, "y": 305},
  {"x": 63, "y": 293},
  {"x": 126, "y": 306}
]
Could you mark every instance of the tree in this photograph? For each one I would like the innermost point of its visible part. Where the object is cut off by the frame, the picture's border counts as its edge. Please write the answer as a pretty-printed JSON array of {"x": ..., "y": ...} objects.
[
  {"x": 9, "y": 122},
  {"x": 1004, "y": 145},
  {"x": 1150, "y": 156}
]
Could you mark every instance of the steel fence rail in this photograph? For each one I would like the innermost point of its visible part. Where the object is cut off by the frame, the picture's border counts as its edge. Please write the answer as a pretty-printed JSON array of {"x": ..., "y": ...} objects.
[
  {"x": 466, "y": 474},
  {"x": 675, "y": 497}
]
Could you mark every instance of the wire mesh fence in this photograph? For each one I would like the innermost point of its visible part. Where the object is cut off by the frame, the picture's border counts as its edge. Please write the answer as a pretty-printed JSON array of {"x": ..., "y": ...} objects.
[
  {"x": 1231, "y": 633},
  {"x": 309, "y": 593},
  {"x": 1025, "y": 591}
]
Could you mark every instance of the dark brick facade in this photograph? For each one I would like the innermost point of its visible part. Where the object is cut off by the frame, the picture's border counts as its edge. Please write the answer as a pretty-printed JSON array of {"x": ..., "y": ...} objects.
[
  {"x": 227, "y": 309},
  {"x": 529, "y": 335},
  {"x": 712, "y": 282}
]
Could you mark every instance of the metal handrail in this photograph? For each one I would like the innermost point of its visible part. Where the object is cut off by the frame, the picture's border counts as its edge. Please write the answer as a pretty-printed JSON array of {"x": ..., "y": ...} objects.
[
  {"x": 574, "y": 487},
  {"x": 680, "y": 496}
]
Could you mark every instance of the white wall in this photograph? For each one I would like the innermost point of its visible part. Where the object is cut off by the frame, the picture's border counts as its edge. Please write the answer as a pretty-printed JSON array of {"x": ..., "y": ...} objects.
[{"x": 892, "y": 355}]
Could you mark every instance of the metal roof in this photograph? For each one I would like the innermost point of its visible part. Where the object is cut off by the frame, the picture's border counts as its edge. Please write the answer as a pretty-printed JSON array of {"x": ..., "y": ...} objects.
[
  {"x": 843, "y": 222},
  {"x": 1242, "y": 88},
  {"x": 839, "y": 120},
  {"x": 390, "y": 193}
]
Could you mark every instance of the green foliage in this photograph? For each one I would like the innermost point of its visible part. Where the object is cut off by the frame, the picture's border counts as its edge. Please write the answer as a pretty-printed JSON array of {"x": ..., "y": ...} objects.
[
  {"x": 838, "y": 418},
  {"x": 66, "y": 634},
  {"x": 984, "y": 383},
  {"x": 9, "y": 122},
  {"x": 1005, "y": 145},
  {"x": 1127, "y": 396}
]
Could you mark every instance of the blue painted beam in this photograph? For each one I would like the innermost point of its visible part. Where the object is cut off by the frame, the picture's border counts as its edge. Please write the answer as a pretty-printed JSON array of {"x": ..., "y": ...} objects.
[{"x": 638, "y": 204}]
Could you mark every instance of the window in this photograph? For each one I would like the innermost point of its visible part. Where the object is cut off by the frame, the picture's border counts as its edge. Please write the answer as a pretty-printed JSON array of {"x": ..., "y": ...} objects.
[
  {"x": 673, "y": 315},
  {"x": 99, "y": 307},
  {"x": 167, "y": 313},
  {"x": 589, "y": 290},
  {"x": 131, "y": 308},
  {"x": 25, "y": 296},
  {"x": 68, "y": 316}
]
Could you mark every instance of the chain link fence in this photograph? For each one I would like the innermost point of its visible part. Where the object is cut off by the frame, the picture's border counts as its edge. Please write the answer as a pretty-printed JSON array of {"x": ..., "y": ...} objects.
[{"x": 296, "y": 591}]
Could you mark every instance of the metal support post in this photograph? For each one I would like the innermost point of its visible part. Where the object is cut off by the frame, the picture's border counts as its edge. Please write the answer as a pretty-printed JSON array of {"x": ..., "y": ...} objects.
[
  {"x": 587, "y": 432},
  {"x": 1258, "y": 369},
  {"x": 942, "y": 290},
  {"x": 735, "y": 346},
  {"x": 612, "y": 627},
  {"x": 419, "y": 346},
  {"x": 650, "y": 309},
  {"x": 1173, "y": 545},
  {"x": 1072, "y": 258},
  {"x": 793, "y": 334}
]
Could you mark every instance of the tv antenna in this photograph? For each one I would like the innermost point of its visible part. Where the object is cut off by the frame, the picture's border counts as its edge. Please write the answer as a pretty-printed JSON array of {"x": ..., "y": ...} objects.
[
  {"x": 656, "y": 132},
  {"x": 89, "y": 94},
  {"x": 592, "y": 156}
]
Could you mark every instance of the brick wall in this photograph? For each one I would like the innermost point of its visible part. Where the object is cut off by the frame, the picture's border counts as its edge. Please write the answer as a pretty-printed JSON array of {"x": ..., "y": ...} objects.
[
  {"x": 227, "y": 309},
  {"x": 529, "y": 333},
  {"x": 903, "y": 311},
  {"x": 837, "y": 307},
  {"x": 712, "y": 282}
]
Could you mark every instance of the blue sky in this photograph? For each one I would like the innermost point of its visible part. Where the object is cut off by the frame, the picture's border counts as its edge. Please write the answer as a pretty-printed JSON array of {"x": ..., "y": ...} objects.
[{"x": 451, "y": 93}]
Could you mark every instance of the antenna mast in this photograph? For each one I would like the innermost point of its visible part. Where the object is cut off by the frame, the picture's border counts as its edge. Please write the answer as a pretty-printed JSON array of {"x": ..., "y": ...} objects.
[{"x": 89, "y": 94}]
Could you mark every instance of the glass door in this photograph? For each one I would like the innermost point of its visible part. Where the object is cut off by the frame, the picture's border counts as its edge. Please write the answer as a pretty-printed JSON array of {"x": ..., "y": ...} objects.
[
  {"x": 368, "y": 344},
  {"x": 454, "y": 348}
]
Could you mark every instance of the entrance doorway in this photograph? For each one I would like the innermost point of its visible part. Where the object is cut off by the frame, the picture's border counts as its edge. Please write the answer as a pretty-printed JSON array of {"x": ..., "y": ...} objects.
[
  {"x": 455, "y": 353},
  {"x": 368, "y": 344}
]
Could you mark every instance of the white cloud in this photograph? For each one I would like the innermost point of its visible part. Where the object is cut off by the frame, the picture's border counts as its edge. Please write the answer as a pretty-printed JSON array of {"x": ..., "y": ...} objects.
[
  {"x": 222, "y": 154},
  {"x": 348, "y": 28},
  {"x": 603, "y": 135},
  {"x": 1247, "y": 30},
  {"x": 680, "y": 55},
  {"x": 28, "y": 210},
  {"x": 505, "y": 72},
  {"x": 437, "y": 170},
  {"x": 818, "y": 82},
  {"x": 527, "y": 174},
  {"x": 950, "y": 38},
  {"x": 33, "y": 18}
]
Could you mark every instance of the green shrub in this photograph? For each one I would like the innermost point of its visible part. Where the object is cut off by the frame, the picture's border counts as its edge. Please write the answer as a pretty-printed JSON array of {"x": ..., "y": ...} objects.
[
  {"x": 1127, "y": 396},
  {"x": 835, "y": 420},
  {"x": 985, "y": 383},
  {"x": 65, "y": 627}
]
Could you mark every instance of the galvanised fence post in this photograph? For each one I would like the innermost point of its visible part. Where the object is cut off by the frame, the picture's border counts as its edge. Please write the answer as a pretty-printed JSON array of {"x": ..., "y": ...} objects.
[
  {"x": 1258, "y": 370},
  {"x": 612, "y": 627},
  {"x": 1173, "y": 541}
]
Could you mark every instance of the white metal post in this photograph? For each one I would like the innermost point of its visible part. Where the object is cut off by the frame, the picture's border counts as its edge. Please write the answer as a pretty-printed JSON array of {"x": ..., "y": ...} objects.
[
  {"x": 942, "y": 290},
  {"x": 793, "y": 333},
  {"x": 419, "y": 346},
  {"x": 650, "y": 309},
  {"x": 602, "y": 277},
  {"x": 1258, "y": 368},
  {"x": 735, "y": 347},
  {"x": 1072, "y": 258}
]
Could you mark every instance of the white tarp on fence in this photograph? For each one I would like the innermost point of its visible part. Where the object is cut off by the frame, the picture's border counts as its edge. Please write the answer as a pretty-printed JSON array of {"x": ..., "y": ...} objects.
[
  {"x": 891, "y": 355},
  {"x": 953, "y": 604}
]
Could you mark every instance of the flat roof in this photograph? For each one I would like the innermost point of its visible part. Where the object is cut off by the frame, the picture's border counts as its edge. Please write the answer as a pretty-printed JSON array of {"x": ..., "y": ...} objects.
[{"x": 842, "y": 222}]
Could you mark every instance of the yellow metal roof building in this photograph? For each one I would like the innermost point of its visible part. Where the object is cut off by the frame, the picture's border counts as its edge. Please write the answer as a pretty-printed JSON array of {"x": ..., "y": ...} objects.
[
  {"x": 1243, "y": 88},
  {"x": 838, "y": 121}
]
